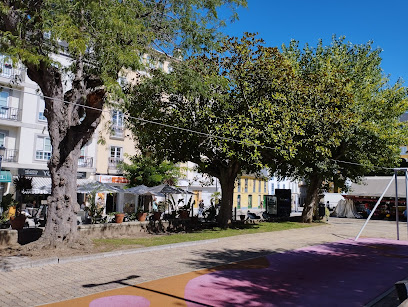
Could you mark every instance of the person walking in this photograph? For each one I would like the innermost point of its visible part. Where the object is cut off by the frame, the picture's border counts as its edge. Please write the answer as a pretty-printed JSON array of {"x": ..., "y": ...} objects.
[{"x": 200, "y": 208}]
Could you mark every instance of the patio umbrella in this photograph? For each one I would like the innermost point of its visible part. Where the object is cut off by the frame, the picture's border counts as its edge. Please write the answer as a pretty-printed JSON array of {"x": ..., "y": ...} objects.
[
  {"x": 98, "y": 187},
  {"x": 142, "y": 190},
  {"x": 165, "y": 189}
]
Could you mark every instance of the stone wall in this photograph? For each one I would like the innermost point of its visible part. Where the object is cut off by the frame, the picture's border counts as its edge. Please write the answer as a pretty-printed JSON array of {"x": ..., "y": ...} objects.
[{"x": 126, "y": 229}]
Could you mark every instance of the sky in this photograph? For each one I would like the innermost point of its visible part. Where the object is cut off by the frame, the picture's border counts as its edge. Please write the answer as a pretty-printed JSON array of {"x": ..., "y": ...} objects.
[{"x": 383, "y": 22}]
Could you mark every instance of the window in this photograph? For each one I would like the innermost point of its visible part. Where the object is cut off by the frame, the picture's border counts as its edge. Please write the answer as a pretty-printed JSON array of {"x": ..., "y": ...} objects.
[
  {"x": 249, "y": 201},
  {"x": 239, "y": 185},
  {"x": 265, "y": 191},
  {"x": 259, "y": 202},
  {"x": 259, "y": 186},
  {"x": 254, "y": 187},
  {"x": 41, "y": 109},
  {"x": 115, "y": 155},
  {"x": 278, "y": 187},
  {"x": 43, "y": 148},
  {"x": 246, "y": 185},
  {"x": 2, "y": 139},
  {"x": 273, "y": 188},
  {"x": 283, "y": 186},
  {"x": 239, "y": 202},
  {"x": 117, "y": 123},
  {"x": 4, "y": 101}
]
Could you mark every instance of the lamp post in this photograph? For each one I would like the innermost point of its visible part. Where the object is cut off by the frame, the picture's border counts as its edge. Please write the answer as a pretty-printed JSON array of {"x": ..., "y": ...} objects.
[{"x": 2, "y": 151}]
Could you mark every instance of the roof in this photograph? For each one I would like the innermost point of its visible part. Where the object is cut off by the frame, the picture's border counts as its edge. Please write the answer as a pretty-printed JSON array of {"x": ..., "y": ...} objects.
[{"x": 375, "y": 186}]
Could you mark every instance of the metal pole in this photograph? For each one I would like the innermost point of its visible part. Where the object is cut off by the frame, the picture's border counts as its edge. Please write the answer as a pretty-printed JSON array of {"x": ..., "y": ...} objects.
[
  {"x": 396, "y": 203},
  {"x": 406, "y": 195},
  {"x": 375, "y": 207},
  {"x": 1, "y": 186}
]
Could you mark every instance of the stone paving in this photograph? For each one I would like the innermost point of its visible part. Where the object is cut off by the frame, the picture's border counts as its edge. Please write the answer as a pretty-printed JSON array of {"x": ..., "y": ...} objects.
[{"x": 56, "y": 282}]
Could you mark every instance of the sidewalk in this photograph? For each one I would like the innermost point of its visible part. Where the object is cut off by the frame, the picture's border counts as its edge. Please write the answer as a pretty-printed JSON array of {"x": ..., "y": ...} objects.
[{"x": 57, "y": 282}]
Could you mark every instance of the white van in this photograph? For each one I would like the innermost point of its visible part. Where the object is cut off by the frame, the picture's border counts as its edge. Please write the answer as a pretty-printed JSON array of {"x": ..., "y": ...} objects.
[{"x": 333, "y": 199}]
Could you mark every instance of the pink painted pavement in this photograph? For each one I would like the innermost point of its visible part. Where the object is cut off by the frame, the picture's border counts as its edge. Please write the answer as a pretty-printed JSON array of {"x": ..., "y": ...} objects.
[{"x": 345, "y": 273}]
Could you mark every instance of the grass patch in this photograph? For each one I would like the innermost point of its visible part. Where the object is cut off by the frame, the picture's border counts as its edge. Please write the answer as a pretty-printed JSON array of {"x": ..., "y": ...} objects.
[{"x": 206, "y": 234}]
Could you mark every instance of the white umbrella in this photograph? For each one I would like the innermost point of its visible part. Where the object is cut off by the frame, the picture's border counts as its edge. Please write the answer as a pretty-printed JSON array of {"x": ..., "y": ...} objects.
[{"x": 98, "y": 187}]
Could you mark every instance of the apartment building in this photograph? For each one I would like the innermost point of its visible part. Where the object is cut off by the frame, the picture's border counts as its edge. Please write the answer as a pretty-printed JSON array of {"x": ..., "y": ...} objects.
[{"x": 24, "y": 134}]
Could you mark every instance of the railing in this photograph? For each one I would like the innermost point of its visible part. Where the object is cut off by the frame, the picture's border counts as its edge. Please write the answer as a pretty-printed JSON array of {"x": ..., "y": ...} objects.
[
  {"x": 113, "y": 161},
  {"x": 10, "y": 113},
  {"x": 8, "y": 71},
  {"x": 118, "y": 131},
  {"x": 10, "y": 155},
  {"x": 84, "y": 161}
]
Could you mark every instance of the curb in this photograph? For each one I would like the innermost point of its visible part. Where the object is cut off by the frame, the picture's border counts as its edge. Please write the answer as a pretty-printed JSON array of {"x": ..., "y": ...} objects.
[{"x": 9, "y": 264}]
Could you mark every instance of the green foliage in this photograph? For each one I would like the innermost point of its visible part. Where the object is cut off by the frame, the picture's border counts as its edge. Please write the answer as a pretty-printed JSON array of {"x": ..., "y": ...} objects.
[
  {"x": 150, "y": 171},
  {"x": 349, "y": 112},
  {"x": 358, "y": 116},
  {"x": 94, "y": 209},
  {"x": 240, "y": 91},
  {"x": 106, "y": 35}
]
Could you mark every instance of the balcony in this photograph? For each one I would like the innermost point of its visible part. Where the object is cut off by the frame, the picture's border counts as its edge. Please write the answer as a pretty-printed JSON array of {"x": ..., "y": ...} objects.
[
  {"x": 114, "y": 161},
  {"x": 8, "y": 71},
  {"x": 10, "y": 155},
  {"x": 10, "y": 113},
  {"x": 118, "y": 132},
  {"x": 84, "y": 161}
]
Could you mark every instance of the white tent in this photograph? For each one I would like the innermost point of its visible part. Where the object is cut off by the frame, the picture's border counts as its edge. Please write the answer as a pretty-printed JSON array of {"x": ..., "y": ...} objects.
[{"x": 346, "y": 208}]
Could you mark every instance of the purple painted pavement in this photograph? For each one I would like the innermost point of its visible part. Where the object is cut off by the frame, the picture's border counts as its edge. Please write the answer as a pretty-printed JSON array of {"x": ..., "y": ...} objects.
[{"x": 345, "y": 273}]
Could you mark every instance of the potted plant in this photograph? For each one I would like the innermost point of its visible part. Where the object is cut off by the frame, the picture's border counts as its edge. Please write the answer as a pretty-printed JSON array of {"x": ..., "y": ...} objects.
[
  {"x": 17, "y": 221},
  {"x": 141, "y": 214},
  {"x": 119, "y": 217},
  {"x": 241, "y": 215},
  {"x": 94, "y": 210}
]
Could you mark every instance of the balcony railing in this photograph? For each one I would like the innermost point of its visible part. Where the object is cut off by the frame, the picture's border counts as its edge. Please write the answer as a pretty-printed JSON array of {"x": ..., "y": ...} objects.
[
  {"x": 118, "y": 131},
  {"x": 113, "y": 161},
  {"x": 84, "y": 161},
  {"x": 8, "y": 71},
  {"x": 10, "y": 113},
  {"x": 10, "y": 155}
]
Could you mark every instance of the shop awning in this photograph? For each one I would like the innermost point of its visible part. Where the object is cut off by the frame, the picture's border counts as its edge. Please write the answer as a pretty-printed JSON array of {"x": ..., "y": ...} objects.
[
  {"x": 42, "y": 185},
  {"x": 5, "y": 176}
]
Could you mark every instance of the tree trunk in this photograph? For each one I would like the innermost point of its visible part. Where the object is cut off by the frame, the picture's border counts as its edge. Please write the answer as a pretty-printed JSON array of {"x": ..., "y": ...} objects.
[
  {"x": 312, "y": 198},
  {"x": 227, "y": 181},
  {"x": 70, "y": 126},
  {"x": 61, "y": 226}
]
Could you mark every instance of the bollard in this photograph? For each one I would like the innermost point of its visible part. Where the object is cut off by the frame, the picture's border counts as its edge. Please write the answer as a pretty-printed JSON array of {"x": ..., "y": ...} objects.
[{"x": 402, "y": 290}]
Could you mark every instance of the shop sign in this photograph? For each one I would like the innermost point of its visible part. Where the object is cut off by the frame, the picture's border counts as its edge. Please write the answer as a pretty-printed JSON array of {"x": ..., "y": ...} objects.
[
  {"x": 5, "y": 176},
  {"x": 113, "y": 179},
  {"x": 42, "y": 173}
]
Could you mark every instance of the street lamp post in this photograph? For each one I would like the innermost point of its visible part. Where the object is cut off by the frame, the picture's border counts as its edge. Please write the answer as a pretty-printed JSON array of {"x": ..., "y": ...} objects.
[{"x": 2, "y": 151}]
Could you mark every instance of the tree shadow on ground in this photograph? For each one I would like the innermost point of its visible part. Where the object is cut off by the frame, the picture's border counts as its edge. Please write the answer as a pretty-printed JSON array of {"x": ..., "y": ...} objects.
[{"x": 345, "y": 273}]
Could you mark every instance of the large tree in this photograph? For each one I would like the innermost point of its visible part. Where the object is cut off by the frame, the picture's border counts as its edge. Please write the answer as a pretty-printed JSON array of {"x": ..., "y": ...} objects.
[
  {"x": 217, "y": 110},
  {"x": 352, "y": 122},
  {"x": 100, "y": 38}
]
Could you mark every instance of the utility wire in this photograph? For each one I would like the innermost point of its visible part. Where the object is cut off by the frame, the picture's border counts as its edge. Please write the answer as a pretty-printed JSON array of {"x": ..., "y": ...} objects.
[{"x": 180, "y": 128}]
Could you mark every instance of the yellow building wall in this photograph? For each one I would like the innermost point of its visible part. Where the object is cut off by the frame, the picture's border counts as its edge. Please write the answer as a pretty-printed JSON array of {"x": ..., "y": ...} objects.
[
  {"x": 250, "y": 197},
  {"x": 107, "y": 141}
]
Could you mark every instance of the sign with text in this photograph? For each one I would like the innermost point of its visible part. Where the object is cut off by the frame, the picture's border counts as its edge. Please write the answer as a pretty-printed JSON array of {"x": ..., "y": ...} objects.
[
  {"x": 113, "y": 179},
  {"x": 42, "y": 173}
]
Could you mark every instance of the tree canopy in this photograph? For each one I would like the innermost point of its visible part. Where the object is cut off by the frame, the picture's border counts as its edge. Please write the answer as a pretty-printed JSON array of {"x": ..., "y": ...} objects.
[
  {"x": 352, "y": 116},
  {"x": 150, "y": 171},
  {"x": 234, "y": 97}
]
